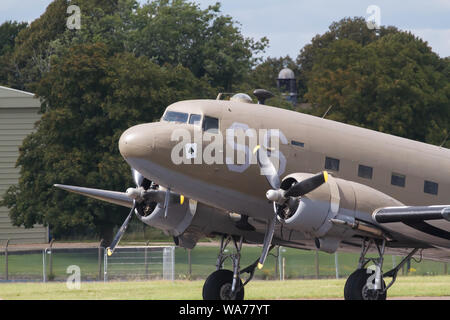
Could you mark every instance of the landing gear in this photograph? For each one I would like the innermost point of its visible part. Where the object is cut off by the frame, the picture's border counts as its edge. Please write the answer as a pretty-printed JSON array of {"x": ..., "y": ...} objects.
[
  {"x": 219, "y": 286},
  {"x": 359, "y": 286},
  {"x": 226, "y": 284},
  {"x": 367, "y": 284}
]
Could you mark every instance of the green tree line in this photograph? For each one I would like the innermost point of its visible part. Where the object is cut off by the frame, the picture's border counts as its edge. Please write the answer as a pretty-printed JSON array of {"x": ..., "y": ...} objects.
[{"x": 128, "y": 61}]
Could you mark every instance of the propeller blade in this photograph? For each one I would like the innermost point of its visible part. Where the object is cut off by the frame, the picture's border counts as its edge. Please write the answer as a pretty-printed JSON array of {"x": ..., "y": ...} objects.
[
  {"x": 137, "y": 177},
  {"x": 267, "y": 168},
  {"x": 121, "y": 231},
  {"x": 305, "y": 186},
  {"x": 166, "y": 203},
  {"x": 119, "y": 198},
  {"x": 267, "y": 240}
]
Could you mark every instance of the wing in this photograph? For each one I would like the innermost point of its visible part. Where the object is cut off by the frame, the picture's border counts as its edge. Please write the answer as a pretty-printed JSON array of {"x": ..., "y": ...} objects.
[{"x": 429, "y": 224}]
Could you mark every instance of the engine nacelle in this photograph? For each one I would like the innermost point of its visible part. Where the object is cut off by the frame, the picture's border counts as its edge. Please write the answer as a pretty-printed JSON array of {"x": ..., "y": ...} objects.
[
  {"x": 180, "y": 213},
  {"x": 187, "y": 220},
  {"x": 337, "y": 199}
]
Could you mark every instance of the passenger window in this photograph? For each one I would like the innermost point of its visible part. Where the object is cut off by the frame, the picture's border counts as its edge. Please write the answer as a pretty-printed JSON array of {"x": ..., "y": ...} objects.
[
  {"x": 430, "y": 187},
  {"x": 173, "y": 116},
  {"x": 398, "y": 180},
  {"x": 332, "y": 164},
  {"x": 195, "y": 119},
  {"x": 297, "y": 143},
  {"x": 365, "y": 172},
  {"x": 211, "y": 124}
]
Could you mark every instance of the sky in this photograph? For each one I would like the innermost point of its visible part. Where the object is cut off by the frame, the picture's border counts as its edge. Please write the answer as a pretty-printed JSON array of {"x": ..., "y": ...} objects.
[{"x": 291, "y": 24}]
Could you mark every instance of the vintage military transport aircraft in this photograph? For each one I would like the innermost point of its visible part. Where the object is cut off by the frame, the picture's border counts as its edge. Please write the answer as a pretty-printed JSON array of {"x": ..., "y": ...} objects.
[{"x": 288, "y": 179}]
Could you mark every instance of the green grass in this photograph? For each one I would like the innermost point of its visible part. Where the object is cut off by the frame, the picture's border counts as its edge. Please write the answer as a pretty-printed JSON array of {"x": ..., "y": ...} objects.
[{"x": 191, "y": 290}]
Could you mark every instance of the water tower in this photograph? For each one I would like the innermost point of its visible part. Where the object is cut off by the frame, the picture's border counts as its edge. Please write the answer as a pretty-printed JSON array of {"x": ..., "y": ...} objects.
[{"x": 287, "y": 84}]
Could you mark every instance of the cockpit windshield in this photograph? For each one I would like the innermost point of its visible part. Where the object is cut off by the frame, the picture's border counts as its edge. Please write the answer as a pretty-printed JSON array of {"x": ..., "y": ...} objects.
[
  {"x": 195, "y": 119},
  {"x": 174, "y": 116},
  {"x": 209, "y": 124}
]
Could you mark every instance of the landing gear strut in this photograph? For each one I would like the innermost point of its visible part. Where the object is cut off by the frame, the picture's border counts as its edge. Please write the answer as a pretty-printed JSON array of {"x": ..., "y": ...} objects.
[
  {"x": 367, "y": 284},
  {"x": 226, "y": 284}
]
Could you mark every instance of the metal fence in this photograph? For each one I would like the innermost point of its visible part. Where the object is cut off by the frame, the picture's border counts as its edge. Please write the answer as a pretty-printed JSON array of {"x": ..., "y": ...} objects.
[
  {"x": 56, "y": 263},
  {"x": 171, "y": 263},
  {"x": 92, "y": 264},
  {"x": 140, "y": 263},
  {"x": 21, "y": 265},
  {"x": 288, "y": 263}
]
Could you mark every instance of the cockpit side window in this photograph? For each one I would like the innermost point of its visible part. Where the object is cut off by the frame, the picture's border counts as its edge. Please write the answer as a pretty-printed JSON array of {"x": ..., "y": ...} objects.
[
  {"x": 211, "y": 124},
  {"x": 174, "y": 116},
  {"x": 195, "y": 119}
]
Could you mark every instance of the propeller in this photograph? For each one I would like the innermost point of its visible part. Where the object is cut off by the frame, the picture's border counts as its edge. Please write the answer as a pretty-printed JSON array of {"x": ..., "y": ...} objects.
[
  {"x": 279, "y": 197},
  {"x": 267, "y": 168},
  {"x": 306, "y": 186},
  {"x": 119, "y": 234},
  {"x": 137, "y": 177},
  {"x": 142, "y": 192},
  {"x": 132, "y": 193}
]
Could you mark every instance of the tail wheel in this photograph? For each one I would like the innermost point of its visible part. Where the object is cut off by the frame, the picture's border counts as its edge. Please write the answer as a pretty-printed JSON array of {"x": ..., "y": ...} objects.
[
  {"x": 358, "y": 286},
  {"x": 218, "y": 287}
]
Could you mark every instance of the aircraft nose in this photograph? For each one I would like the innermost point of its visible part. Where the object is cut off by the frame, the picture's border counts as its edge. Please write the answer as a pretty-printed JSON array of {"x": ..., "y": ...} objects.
[{"x": 136, "y": 142}]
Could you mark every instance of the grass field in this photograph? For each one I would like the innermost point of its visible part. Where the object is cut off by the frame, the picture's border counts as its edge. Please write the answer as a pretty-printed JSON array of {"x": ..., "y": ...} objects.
[{"x": 431, "y": 286}]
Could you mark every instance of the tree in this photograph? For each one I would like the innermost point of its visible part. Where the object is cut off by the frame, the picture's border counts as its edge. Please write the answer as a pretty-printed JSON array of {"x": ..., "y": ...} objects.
[
  {"x": 89, "y": 98},
  {"x": 172, "y": 32},
  {"x": 48, "y": 35},
  {"x": 125, "y": 64},
  {"x": 354, "y": 29},
  {"x": 8, "y": 33},
  {"x": 32, "y": 50},
  {"x": 395, "y": 84},
  {"x": 204, "y": 41}
]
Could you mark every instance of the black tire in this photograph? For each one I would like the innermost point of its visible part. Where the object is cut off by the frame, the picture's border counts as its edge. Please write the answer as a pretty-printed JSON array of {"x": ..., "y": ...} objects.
[
  {"x": 356, "y": 287},
  {"x": 218, "y": 286}
]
